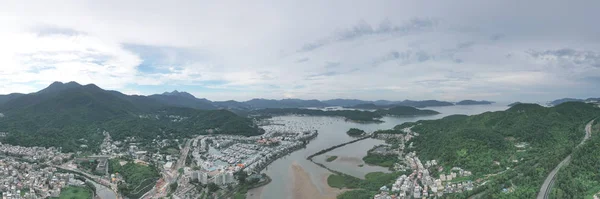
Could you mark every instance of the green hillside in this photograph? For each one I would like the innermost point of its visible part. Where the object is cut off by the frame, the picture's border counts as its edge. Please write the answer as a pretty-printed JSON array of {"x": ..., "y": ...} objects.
[
  {"x": 70, "y": 115},
  {"x": 353, "y": 115},
  {"x": 580, "y": 178},
  {"x": 529, "y": 140}
]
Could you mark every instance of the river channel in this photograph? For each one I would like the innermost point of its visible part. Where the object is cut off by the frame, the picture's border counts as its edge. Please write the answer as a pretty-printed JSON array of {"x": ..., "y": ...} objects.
[{"x": 332, "y": 131}]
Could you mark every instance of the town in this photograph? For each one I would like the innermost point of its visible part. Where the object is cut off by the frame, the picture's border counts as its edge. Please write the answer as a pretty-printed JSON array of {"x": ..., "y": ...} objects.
[
  {"x": 420, "y": 183},
  {"x": 191, "y": 164}
]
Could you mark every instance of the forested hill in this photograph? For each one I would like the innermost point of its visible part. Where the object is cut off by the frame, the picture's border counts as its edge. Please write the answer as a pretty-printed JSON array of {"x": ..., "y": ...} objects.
[
  {"x": 580, "y": 178},
  {"x": 528, "y": 139},
  {"x": 70, "y": 115},
  {"x": 353, "y": 115}
]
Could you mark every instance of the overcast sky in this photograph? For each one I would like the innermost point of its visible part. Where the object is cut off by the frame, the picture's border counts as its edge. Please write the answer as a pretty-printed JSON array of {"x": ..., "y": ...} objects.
[{"x": 501, "y": 50}]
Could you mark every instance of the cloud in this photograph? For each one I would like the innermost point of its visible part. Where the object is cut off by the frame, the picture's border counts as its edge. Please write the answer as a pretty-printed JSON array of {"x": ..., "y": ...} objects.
[
  {"x": 569, "y": 56},
  {"x": 302, "y": 60},
  {"x": 506, "y": 50},
  {"x": 363, "y": 29},
  {"x": 330, "y": 65}
]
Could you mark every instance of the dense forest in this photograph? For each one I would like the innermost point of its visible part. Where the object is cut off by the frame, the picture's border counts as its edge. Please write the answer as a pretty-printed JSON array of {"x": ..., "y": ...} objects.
[
  {"x": 580, "y": 178},
  {"x": 138, "y": 178},
  {"x": 520, "y": 146},
  {"x": 354, "y": 132},
  {"x": 353, "y": 115},
  {"x": 73, "y": 116}
]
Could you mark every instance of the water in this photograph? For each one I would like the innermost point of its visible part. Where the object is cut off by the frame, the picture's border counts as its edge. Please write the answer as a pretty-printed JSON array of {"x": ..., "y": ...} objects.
[
  {"x": 104, "y": 192},
  {"x": 332, "y": 131}
]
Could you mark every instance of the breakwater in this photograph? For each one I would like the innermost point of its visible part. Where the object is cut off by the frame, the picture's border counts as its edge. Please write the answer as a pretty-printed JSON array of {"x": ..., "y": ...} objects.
[{"x": 310, "y": 158}]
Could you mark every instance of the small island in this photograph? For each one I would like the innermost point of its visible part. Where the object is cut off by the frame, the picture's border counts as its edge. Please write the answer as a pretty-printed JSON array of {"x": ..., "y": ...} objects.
[
  {"x": 354, "y": 132},
  {"x": 331, "y": 158},
  {"x": 474, "y": 102}
]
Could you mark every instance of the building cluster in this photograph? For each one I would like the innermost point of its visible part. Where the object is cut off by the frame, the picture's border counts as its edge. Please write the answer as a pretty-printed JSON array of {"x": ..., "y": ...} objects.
[
  {"x": 35, "y": 153},
  {"x": 108, "y": 147},
  {"x": 30, "y": 180},
  {"x": 251, "y": 153},
  {"x": 420, "y": 184},
  {"x": 219, "y": 176}
]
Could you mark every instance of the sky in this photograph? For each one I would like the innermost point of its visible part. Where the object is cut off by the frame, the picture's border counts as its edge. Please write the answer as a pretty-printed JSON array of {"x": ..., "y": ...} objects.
[{"x": 504, "y": 50}]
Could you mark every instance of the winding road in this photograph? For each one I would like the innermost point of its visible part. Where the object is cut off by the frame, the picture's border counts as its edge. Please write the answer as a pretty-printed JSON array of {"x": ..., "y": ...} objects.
[{"x": 549, "y": 182}]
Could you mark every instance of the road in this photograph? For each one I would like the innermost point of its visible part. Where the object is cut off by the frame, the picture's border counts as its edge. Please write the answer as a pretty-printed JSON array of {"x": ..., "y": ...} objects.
[
  {"x": 549, "y": 182},
  {"x": 103, "y": 182},
  {"x": 170, "y": 176}
]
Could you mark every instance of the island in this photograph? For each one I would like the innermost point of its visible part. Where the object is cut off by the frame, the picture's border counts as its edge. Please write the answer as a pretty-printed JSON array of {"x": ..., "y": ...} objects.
[
  {"x": 354, "y": 132},
  {"x": 331, "y": 158},
  {"x": 474, "y": 102},
  {"x": 350, "y": 115}
]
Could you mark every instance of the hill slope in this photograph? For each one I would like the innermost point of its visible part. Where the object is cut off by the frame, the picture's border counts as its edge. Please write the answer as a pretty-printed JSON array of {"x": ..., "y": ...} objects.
[
  {"x": 488, "y": 143},
  {"x": 183, "y": 99},
  {"x": 72, "y": 115}
]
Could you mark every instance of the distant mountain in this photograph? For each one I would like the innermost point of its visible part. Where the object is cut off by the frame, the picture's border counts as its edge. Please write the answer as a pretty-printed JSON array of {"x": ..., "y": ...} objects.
[
  {"x": 284, "y": 103},
  {"x": 387, "y": 103},
  {"x": 183, "y": 99},
  {"x": 59, "y": 86},
  {"x": 346, "y": 102},
  {"x": 366, "y": 106},
  {"x": 425, "y": 103},
  {"x": 563, "y": 100},
  {"x": 473, "y": 102},
  {"x": 406, "y": 111},
  {"x": 69, "y": 115},
  {"x": 5, "y": 98},
  {"x": 231, "y": 104}
]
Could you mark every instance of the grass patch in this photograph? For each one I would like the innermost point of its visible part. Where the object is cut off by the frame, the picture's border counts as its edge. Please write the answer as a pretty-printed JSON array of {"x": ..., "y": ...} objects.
[
  {"x": 353, "y": 194},
  {"x": 138, "y": 178},
  {"x": 75, "y": 193},
  {"x": 331, "y": 158},
  {"x": 361, "y": 165}
]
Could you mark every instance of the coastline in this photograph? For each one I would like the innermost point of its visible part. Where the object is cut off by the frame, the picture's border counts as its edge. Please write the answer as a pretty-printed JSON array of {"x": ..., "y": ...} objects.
[{"x": 305, "y": 188}]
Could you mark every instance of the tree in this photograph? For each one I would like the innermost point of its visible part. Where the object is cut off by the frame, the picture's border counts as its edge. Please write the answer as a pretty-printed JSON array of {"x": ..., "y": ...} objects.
[
  {"x": 173, "y": 186},
  {"x": 212, "y": 187},
  {"x": 241, "y": 176}
]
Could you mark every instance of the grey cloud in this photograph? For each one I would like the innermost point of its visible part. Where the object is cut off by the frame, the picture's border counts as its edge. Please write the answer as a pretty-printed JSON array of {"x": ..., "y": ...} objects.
[
  {"x": 577, "y": 57},
  {"x": 465, "y": 45},
  {"x": 320, "y": 75},
  {"x": 364, "y": 29},
  {"x": 423, "y": 56},
  {"x": 302, "y": 60},
  {"x": 403, "y": 58},
  {"x": 497, "y": 37},
  {"x": 332, "y": 64},
  {"x": 43, "y": 30}
]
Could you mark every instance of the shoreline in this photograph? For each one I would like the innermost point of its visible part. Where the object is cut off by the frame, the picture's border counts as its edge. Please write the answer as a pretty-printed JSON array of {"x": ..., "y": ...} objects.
[{"x": 303, "y": 187}]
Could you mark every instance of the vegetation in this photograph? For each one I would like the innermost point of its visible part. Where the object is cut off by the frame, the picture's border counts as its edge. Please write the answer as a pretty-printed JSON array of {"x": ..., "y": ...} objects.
[
  {"x": 359, "y": 116},
  {"x": 72, "y": 115},
  {"x": 331, "y": 158},
  {"x": 473, "y": 102},
  {"x": 359, "y": 193},
  {"x": 372, "y": 182},
  {"x": 75, "y": 193},
  {"x": 212, "y": 187},
  {"x": 487, "y": 144},
  {"x": 381, "y": 160},
  {"x": 354, "y": 132},
  {"x": 353, "y": 115},
  {"x": 138, "y": 178},
  {"x": 580, "y": 178},
  {"x": 405, "y": 111}
]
